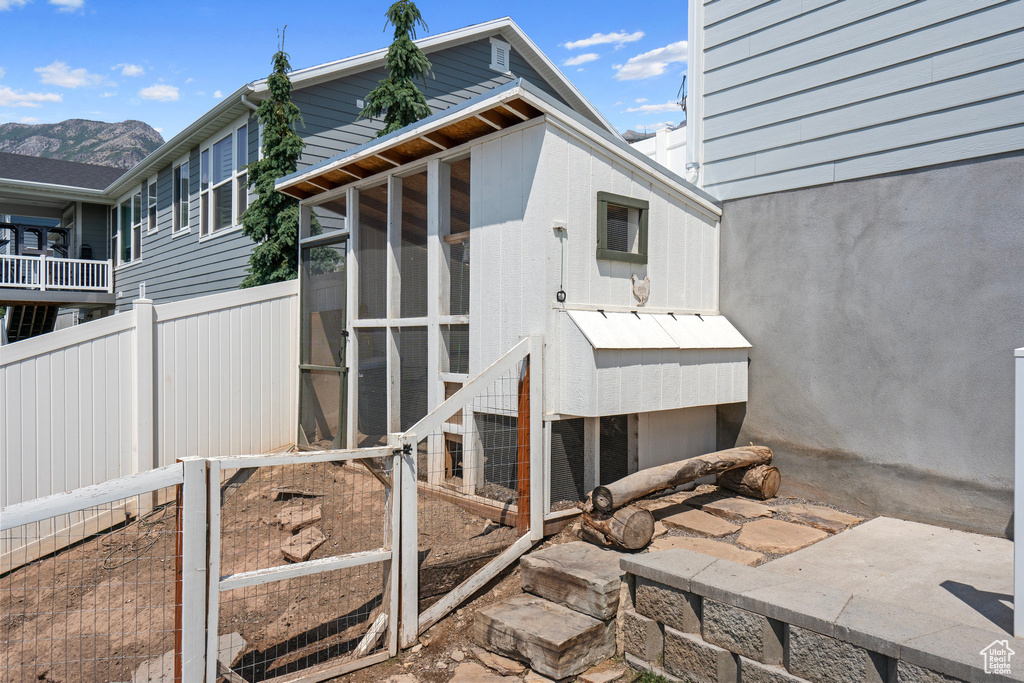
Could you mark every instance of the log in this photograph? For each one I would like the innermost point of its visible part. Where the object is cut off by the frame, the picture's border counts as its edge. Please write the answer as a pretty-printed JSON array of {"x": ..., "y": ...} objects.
[
  {"x": 761, "y": 482},
  {"x": 629, "y": 528},
  {"x": 639, "y": 484}
]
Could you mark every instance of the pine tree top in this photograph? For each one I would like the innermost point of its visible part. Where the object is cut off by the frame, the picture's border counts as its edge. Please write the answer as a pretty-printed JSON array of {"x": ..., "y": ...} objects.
[{"x": 397, "y": 99}]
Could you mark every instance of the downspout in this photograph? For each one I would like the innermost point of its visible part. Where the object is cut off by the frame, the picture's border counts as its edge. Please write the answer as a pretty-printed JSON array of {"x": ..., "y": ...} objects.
[
  {"x": 695, "y": 96},
  {"x": 245, "y": 99}
]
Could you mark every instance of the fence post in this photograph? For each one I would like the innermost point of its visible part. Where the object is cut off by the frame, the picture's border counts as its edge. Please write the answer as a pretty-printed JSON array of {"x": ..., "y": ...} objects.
[
  {"x": 145, "y": 399},
  {"x": 537, "y": 450},
  {"x": 42, "y": 272},
  {"x": 1018, "y": 495},
  {"x": 192, "y": 624}
]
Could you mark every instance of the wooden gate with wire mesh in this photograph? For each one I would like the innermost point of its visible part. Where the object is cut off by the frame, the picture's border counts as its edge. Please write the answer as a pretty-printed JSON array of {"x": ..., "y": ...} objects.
[{"x": 472, "y": 487}]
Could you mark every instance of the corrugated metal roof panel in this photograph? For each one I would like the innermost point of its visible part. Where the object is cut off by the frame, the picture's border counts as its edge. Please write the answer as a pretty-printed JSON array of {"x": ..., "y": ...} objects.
[{"x": 657, "y": 331}]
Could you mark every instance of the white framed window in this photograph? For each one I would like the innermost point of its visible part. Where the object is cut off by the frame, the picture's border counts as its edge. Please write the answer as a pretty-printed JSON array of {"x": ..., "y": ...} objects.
[
  {"x": 501, "y": 53},
  {"x": 151, "y": 206},
  {"x": 126, "y": 229},
  {"x": 180, "y": 192},
  {"x": 223, "y": 187}
]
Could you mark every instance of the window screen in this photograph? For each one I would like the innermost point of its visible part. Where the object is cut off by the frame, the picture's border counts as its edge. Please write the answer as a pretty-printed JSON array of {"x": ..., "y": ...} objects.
[
  {"x": 567, "y": 486},
  {"x": 621, "y": 228},
  {"x": 372, "y": 387},
  {"x": 414, "y": 246},
  {"x": 372, "y": 256},
  {"x": 614, "y": 458},
  {"x": 458, "y": 225},
  {"x": 412, "y": 354},
  {"x": 456, "y": 347}
]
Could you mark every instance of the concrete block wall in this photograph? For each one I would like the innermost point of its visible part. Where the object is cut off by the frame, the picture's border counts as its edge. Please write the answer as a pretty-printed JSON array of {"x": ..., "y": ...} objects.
[{"x": 691, "y": 617}]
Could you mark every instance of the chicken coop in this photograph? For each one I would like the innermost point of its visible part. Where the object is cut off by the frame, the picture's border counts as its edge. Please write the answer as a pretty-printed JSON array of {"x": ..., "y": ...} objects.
[{"x": 430, "y": 252}]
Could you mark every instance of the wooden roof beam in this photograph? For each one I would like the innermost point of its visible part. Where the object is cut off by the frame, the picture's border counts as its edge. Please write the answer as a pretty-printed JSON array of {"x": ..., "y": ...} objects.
[
  {"x": 439, "y": 140},
  {"x": 513, "y": 112},
  {"x": 488, "y": 121}
]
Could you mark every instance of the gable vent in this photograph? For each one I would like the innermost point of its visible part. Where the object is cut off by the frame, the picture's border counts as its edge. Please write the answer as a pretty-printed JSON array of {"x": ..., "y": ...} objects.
[{"x": 500, "y": 55}]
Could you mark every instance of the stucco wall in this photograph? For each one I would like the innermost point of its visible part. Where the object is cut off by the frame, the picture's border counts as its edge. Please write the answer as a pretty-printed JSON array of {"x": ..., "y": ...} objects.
[{"x": 883, "y": 314}]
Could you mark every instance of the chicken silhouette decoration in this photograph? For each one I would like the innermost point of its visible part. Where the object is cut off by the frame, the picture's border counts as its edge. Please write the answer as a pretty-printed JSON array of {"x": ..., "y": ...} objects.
[{"x": 641, "y": 288}]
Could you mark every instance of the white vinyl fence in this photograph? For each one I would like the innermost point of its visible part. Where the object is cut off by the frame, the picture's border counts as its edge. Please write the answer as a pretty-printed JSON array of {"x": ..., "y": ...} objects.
[{"x": 212, "y": 376}]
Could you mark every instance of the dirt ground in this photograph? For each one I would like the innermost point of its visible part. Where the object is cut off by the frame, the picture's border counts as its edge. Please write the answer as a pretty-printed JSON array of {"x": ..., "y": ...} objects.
[{"x": 97, "y": 611}]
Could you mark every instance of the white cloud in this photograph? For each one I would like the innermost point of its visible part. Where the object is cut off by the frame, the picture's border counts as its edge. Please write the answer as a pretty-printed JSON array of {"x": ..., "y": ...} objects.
[
  {"x": 28, "y": 119},
  {"x": 17, "y": 98},
  {"x": 641, "y": 100},
  {"x": 108, "y": 94},
  {"x": 218, "y": 94},
  {"x": 161, "y": 92},
  {"x": 58, "y": 73},
  {"x": 11, "y": 4},
  {"x": 159, "y": 130},
  {"x": 656, "y": 108},
  {"x": 652, "y": 127},
  {"x": 129, "y": 69},
  {"x": 68, "y": 5},
  {"x": 582, "y": 59},
  {"x": 620, "y": 38},
  {"x": 189, "y": 80},
  {"x": 653, "y": 63}
]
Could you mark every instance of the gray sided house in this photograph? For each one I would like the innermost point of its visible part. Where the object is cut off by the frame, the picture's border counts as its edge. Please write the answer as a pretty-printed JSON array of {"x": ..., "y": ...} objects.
[
  {"x": 171, "y": 222},
  {"x": 210, "y": 254},
  {"x": 869, "y": 157}
]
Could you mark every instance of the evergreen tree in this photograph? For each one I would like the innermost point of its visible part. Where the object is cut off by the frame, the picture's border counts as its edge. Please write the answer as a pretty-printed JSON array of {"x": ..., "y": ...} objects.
[
  {"x": 272, "y": 219},
  {"x": 397, "y": 98}
]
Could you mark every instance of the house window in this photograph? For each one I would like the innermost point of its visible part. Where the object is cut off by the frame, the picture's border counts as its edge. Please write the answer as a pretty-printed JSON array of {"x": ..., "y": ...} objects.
[
  {"x": 500, "y": 52},
  {"x": 204, "y": 193},
  {"x": 241, "y": 178},
  {"x": 136, "y": 226},
  {"x": 223, "y": 188},
  {"x": 180, "y": 208},
  {"x": 621, "y": 228},
  {"x": 151, "y": 207}
]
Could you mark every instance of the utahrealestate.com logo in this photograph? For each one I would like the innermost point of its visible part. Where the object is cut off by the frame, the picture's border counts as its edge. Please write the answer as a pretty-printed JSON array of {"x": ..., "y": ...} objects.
[{"x": 997, "y": 657}]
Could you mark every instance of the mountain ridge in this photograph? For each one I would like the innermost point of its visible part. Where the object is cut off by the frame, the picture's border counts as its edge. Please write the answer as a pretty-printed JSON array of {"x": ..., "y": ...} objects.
[{"x": 119, "y": 145}]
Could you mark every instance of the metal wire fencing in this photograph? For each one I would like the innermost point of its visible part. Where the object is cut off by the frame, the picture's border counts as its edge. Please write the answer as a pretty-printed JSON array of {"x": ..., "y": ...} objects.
[
  {"x": 311, "y": 619},
  {"x": 474, "y": 484},
  {"x": 91, "y": 595}
]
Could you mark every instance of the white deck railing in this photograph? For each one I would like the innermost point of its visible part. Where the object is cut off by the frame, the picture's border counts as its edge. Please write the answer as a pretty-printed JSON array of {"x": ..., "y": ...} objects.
[{"x": 47, "y": 272}]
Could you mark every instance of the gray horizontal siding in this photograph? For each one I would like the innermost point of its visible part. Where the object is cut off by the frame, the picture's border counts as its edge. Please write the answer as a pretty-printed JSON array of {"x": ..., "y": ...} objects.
[
  {"x": 94, "y": 230},
  {"x": 181, "y": 267},
  {"x": 847, "y": 88}
]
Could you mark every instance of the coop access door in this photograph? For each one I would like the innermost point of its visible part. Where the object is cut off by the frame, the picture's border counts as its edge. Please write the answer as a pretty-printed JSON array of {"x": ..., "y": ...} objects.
[{"x": 322, "y": 368}]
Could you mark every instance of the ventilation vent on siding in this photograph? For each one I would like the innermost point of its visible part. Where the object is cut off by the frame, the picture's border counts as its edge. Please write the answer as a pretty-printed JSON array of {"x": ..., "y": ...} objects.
[{"x": 500, "y": 55}]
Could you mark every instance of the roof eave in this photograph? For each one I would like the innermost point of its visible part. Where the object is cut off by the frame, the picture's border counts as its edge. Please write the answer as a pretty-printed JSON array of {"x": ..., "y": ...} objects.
[
  {"x": 183, "y": 141},
  {"x": 30, "y": 188}
]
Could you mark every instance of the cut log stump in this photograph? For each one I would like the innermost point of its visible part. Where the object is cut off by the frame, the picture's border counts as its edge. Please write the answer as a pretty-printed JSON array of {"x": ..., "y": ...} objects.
[
  {"x": 761, "y": 481},
  {"x": 630, "y": 528}
]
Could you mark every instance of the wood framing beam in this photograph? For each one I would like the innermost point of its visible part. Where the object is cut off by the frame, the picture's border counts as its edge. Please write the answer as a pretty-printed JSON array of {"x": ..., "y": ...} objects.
[
  {"x": 514, "y": 112},
  {"x": 481, "y": 116},
  {"x": 394, "y": 157},
  {"x": 440, "y": 139}
]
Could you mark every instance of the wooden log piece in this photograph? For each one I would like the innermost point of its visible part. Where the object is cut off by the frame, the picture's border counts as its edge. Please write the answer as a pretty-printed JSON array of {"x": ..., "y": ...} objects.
[
  {"x": 642, "y": 483},
  {"x": 629, "y": 528},
  {"x": 761, "y": 482}
]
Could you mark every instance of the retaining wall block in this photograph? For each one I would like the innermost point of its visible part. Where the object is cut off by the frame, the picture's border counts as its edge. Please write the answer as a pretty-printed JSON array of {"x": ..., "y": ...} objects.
[
  {"x": 755, "y": 672},
  {"x": 745, "y": 633},
  {"x": 690, "y": 658},
  {"x": 673, "y": 607},
  {"x": 911, "y": 673},
  {"x": 642, "y": 637},
  {"x": 824, "y": 659}
]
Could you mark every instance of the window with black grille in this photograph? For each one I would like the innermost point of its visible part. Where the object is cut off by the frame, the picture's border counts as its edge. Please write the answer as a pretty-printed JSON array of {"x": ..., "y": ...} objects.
[{"x": 621, "y": 228}]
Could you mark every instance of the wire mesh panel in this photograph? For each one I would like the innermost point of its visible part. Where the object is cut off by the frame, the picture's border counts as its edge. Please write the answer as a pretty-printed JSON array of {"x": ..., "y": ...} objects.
[
  {"x": 614, "y": 459},
  {"x": 280, "y": 516},
  {"x": 412, "y": 358},
  {"x": 473, "y": 484},
  {"x": 371, "y": 252},
  {"x": 567, "y": 458},
  {"x": 456, "y": 347},
  {"x": 92, "y": 602},
  {"x": 457, "y": 248},
  {"x": 372, "y": 384},
  {"x": 413, "y": 268}
]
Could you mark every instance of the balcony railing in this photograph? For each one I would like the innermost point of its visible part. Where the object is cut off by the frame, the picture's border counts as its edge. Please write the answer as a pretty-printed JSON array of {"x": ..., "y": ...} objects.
[{"x": 50, "y": 273}]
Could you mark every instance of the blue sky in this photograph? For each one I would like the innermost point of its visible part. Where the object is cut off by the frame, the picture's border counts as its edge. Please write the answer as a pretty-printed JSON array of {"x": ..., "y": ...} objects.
[{"x": 166, "y": 63}]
